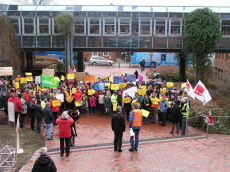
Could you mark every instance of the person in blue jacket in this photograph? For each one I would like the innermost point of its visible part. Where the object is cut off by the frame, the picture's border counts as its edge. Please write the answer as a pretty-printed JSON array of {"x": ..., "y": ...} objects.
[{"x": 163, "y": 109}]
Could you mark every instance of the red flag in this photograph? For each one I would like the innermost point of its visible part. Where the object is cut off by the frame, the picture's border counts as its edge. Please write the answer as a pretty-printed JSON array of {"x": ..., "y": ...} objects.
[
  {"x": 70, "y": 71},
  {"x": 209, "y": 119},
  {"x": 17, "y": 125}
]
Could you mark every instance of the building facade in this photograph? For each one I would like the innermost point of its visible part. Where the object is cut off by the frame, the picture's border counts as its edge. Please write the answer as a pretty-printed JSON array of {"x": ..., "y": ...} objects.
[{"x": 222, "y": 66}]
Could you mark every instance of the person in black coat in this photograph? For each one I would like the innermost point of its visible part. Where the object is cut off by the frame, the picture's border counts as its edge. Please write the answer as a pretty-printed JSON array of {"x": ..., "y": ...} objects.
[
  {"x": 44, "y": 162},
  {"x": 31, "y": 112},
  {"x": 146, "y": 104},
  {"x": 136, "y": 73},
  {"x": 128, "y": 106},
  {"x": 175, "y": 116},
  {"x": 75, "y": 116},
  {"x": 3, "y": 103},
  {"x": 48, "y": 115},
  {"x": 118, "y": 126}
]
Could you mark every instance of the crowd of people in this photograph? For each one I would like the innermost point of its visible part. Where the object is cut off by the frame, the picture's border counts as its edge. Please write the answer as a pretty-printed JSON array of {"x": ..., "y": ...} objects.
[{"x": 36, "y": 102}]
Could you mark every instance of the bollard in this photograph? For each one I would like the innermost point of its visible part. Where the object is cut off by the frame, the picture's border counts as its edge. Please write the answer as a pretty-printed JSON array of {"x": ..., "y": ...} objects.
[
  {"x": 108, "y": 64},
  {"x": 129, "y": 65},
  {"x": 184, "y": 125},
  {"x": 119, "y": 65}
]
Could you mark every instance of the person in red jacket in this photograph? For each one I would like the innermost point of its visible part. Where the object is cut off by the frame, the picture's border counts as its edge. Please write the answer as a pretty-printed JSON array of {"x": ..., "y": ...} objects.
[
  {"x": 54, "y": 109},
  {"x": 11, "y": 99},
  {"x": 93, "y": 105},
  {"x": 78, "y": 97},
  {"x": 28, "y": 96},
  {"x": 64, "y": 121},
  {"x": 17, "y": 106}
]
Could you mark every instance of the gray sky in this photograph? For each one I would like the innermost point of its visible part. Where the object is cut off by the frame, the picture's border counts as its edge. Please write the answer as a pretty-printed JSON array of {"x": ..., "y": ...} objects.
[{"x": 147, "y": 2}]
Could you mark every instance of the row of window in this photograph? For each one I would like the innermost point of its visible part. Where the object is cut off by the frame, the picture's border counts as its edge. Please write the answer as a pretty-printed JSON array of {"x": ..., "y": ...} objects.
[
  {"x": 109, "y": 26},
  {"x": 105, "y": 54}
]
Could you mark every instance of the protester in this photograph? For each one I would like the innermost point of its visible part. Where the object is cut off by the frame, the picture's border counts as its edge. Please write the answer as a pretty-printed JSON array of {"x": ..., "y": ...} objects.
[
  {"x": 78, "y": 97},
  {"x": 118, "y": 126},
  {"x": 101, "y": 102},
  {"x": 107, "y": 105},
  {"x": 175, "y": 117},
  {"x": 93, "y": 106},
  {"x": 64, "y": 121},
  {"x": 44, "y": 162},
  {"x": 84, "y": 106},
  {"x": 3, "y": 103},
  {"x": 53, "y": 108},
  {"x": 31, "y": 112},
  {"x": 17, "y": 106},
  {"x": 142, "y": 65},
  {"x": 127, "y": 106},
  {"x": 38, "y": 114},
  {"x": 163, "y": 109},
  {"x": 47, "y": 113},
  {"x": 75, "y": 116},
  {"x": 146, "y": 104}
]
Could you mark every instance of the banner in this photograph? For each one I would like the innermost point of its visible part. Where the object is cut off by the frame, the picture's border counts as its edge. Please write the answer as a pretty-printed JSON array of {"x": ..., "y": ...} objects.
[
  {"x": 48, "y": 81},
  {"x": 91, "y": 92},
  {"x": 70, "y": 76},
  {"x": 131, "y": 78},
  {"x": 126, "y": 100},
  {"x": 11, "y": 112},
  {"x": 99, "y": 86},
  {"x": 108, "y": 85},
  {"x": 6, "y": 71},
  {"x": 16, "y": 85},
  {"x": 29, "y": 78},
  {"x": 114, "y": 87},
  {"x": 117, "y": 79},
  {"x": 60, "y": 97},
  {"x": 163, "y": 89},
  {"x": 122, "y": 85},
  {"x": 80, "y": 76},
  {"x": 131, "y": 92},
  {"x": 56, "y": 103},
  {"x": 78, "y": 103},
  {"x": 23, "y": 80},
  {"x": 37, "y": 79},
  {"x": 169, "y": 84},
  {"x": 201, "y": 93},
  {"x": 115, "y": 73},
  {"x": 140, "y": 79},
  {"x": 142, "y": 90},
  {"x": 154, "y": 101},
  {"x": 90, "y": 78},
  {"x": 49, "y": 72},
  {"x": 145, "y": 113},
  {"x": 27, "y": 73}
]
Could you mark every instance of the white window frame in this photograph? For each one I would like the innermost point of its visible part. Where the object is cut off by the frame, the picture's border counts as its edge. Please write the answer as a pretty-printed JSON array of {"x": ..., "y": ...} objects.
[
  {"x": 84, "y": 27},
  {"x": 105, "y": 33},
  {"x": 53, "y": 33},
  {"x": 105, "y": 54},
  {"x": 89, "y": 26},
  {"x": 225, "y": 36},
  {"x": 94, "y": 55},
  {"x": 23, "y": 28},
  {"x": 170, "y": 20},
  {"x": 150, "y": 34},
  {"x": 38, "y": 26},
  {"x": 130, "y": 26},
  {"x": 19, "y": 24},
  {"x": 155, "y": 26}
]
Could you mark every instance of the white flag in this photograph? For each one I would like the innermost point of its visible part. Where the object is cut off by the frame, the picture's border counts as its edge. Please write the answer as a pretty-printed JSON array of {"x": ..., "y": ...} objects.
[
  {"x": 201, "y": 93},
  {"x": 209, "y": 119},
  {"x": 189, "y": 90}
]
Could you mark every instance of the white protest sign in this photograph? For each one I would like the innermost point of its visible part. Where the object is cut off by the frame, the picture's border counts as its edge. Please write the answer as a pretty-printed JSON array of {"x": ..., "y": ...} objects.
[
  {"x": 131, "y": 92},
  {"x": 11, "y": 111},
  {"x": 37, "y": 79},
  {"x": 6, "y": 71},
  {"x": 60, "y": 97}
]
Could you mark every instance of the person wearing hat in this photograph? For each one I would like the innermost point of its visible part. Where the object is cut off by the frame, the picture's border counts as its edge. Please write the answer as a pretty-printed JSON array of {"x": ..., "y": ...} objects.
[
  {"x": 64, "y": 121},
  {"x": 38, "y": 114},
  {"x": 75, "y": 116},
  {"x": 47, "y": 113},
  {"x": 31, "y": 112}
]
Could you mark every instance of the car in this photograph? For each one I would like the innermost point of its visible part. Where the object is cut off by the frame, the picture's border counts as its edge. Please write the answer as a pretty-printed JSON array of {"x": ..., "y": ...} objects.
[{"x": 97, "y": 60}]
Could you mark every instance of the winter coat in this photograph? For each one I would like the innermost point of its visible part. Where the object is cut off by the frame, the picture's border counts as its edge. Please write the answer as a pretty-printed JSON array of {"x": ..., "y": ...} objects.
[
  {"x": 28, "y": 97},
  {"x": 44, "y": 163},
  {"x": 144, "y": 102},
  {"x": 47, "y": 95},
  {"x": 128, "y": 105},
  {"x": 38, "y": 111},
  {"x": 11, "y": 99},
  {"x": 101, "y": 99},
  {"x": 75, "y": 117},
  {"x": 84, "y": 105},
  {"x": 78, "y": 96},
  {"x": 17, "y": 105},
  {"x": 47, "y": 113},
  {"x": 53, "y": 109},
  {"x": 163, "y": 106},
  {"x": 3, "y": 102},
  {"x": 107, "y": 102},
  {"x": 175, "y": 114},
  {"x": 119, "y": 100},
  {"x": 64, "y": 126},
  {"x": 92, "y": 102},
  {"x": 23, "y": 102},
  {"x": 118, "y": 122},
  {"x": 31, "y": 108}
]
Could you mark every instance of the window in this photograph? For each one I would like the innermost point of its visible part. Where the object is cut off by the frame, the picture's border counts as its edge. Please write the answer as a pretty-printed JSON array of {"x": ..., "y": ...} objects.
[
  {"x": 95, "y": 54},
  {"x": 175, "y": 28},
  {"x": 225, "y": 27},
  {"x": 44, "y": 26},
  {"x": 55, "y": 31},
  {"x": 124, "y": 26},
  {"x": 106, "y": 54},
  {"x": 15, "y": 24},
  {"x": 109, "y": 25},
  {"x": 94, "y": 26},
  {"x": 160, "y": 27},
  {"x": 145, "y": 26},
  {"x": 79, "y": 26},
  {"x": 29, "y": 27}
]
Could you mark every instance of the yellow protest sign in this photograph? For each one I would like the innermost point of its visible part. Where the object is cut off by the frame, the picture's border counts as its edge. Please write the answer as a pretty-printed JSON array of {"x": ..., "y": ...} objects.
[
  {"x": 29, "y": 78},
  {"x": 183, "y": 85},
  {"x": 34, "y": 92},
  {"x": 16, "y": 85},
  {"x": 56, "y": 103},
  {"x": 134, "y": 101},
  {"x": 74, "y": 90},
  {"x": 90, "y": 78},
  {"x": 70, "y": 76},
  {"x": 69, "y": 99},
  {"x": 91, "y": 92},
  {"x": 27, "y": 73},
  {"x": 170, "y": 104},
  {"x": 154, "y": 101},
  {"x": 145, "y": 113},
  {"x": 122, "y": 85},
  {"x": 23, "y": 80},
  {"x": 111, "y": 79},
  {"x": 163, "y": 89},
  {"x": 169, "y": 84},
  {"x": 126, "y": 100},
  {"x": 78, "y": 103},
  {"x": 107, "y": 84},
  {"x": 62, "y": 78},
  {"x": 95, "y": 79},
  {"x": 114, "y": 87},
  {"x": 114, "y": 106},
  {"x": 106, "y": 78},
  {"x": 142, "y": 90}
]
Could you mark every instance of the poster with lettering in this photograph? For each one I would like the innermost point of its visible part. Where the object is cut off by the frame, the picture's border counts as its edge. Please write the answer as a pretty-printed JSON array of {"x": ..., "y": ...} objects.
[
  {"x": 99, "y": 86},
  {"x": 131, "y": 78},
  {"x": 49, "y": 72},
  {"x": 6, "y": 71},
  {"x": 90, "y": 78},
  {"x": 11, "y": 111},
  {"x": 117, "y": 79}
]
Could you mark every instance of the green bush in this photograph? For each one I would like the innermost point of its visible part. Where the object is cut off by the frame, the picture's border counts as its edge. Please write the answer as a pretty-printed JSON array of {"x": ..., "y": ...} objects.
[{"x": 60, "y": 67}]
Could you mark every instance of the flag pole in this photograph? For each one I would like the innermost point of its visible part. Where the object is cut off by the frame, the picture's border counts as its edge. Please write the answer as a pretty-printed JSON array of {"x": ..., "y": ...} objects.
[{"x": 207, "y": 130}]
